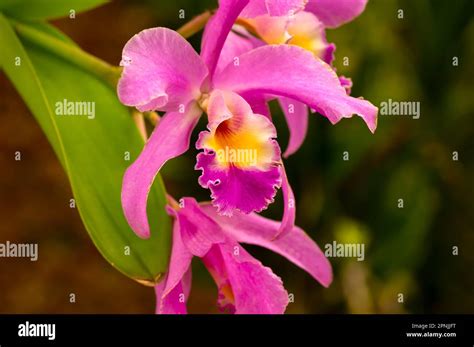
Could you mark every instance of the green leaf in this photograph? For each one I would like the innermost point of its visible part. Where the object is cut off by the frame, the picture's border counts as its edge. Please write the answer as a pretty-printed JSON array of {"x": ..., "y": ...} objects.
[
  {"x": 46, "y": 9},
  {"x": 92, "y": 151},
  {"x": 50, "y": 31},
  {"x": 52, "y": 40}
]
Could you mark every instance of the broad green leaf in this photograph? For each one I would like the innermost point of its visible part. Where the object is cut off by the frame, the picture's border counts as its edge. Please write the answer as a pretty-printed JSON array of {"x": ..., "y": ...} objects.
[
  {"x": 92, "y": 151},
  {"x": 46, "y": 9}
]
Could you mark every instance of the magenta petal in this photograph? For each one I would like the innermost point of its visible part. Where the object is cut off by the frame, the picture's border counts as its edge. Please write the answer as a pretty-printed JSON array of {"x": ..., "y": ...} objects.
[
  {"x": 289, "y": 212},
  {"x": 235, "y": 45},
  {"x": 258, "y": 104},
  {"x": 334, "y": 13},
  {"x": 169, "y": 140},
  {"x": 223, "y": 106},
  {"x": 240, "y": 159},
  {"x": 175, "y": 301},
  {"x": 296, "y": 114},
  {"x": 244, "y": 283},
  {"x": 346, "y": 82},
  {"x": 272, "y": 7},
  {"x": 161, "y": 71},
  {"x": 217, "y": 29},
  {"x": 296, "y": 246},
  {"x": 284, "y": 7},
  {"x": 233, "y": 188},
  {"x": 293, "y": 72},
  {"x": 198, "y": 231},
  {"x": 173, "y": 291},
  {"x": 255, "y": 8},
  {"x": 328, "y": 54},
  {"x": 180, "y": 259}
]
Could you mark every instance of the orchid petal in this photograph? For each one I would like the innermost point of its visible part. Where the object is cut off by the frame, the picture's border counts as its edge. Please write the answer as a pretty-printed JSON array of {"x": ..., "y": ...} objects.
[
  {"x": 328, "y": 55},
  {"x": 334, "y": 13},
  {"x": 289, "y": 209},
  {"x": 245, "y": 285},
  {"x": 175, "y": 301},
  {"x": 217, "y": 29},
  {"x": 272, "y": 30},
  {"x": 296, "y": 114},
  {"x": 293, "y": 72},
  {"x": 296, "y": 245},
  {"x": 232, "y": 188},
  {"x": 272, "y": 7},
  {"x": 240, "y": 159},
  {"x": 303, "y": 29},
  {"x": 169, "y": 139},
  {"x": 258, "y": 103},
  {"x": 177, "y": 282},
  {"x": 180, "y": 260},
  {"x": 308, "y": 32},
  {"x": 236, "y": 44},
  {"x": 346, "y": 82},
  {"x": 161, "y": 71},
  {"x": 223, "y": 106},
  {"x": 198, "y": 231},
  {"x": 234, "y": 125}
]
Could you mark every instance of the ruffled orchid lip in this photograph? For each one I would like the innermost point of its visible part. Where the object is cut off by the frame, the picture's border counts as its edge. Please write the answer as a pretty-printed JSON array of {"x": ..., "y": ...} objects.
[
  {"x": 240, "y": 156},
  {"x": 238, "y": 190}
]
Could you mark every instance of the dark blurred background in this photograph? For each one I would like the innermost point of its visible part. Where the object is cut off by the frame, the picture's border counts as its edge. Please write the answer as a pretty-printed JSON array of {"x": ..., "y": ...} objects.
[{"x": 408, "y": 250}]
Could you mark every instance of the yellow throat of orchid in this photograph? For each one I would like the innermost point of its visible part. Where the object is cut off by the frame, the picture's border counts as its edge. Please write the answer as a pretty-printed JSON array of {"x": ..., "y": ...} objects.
[{"x": 239, "y": 137}]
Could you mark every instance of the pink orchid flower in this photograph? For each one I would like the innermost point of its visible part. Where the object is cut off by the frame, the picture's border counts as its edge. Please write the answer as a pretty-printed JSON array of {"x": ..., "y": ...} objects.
[
  {"x": 332, "y": 13},
  {"x": 162, "y": 72},
  {"x": 303, "y": 24},
  {"x": 244, "y": 284},
  {"x": 299, "y": 23}
]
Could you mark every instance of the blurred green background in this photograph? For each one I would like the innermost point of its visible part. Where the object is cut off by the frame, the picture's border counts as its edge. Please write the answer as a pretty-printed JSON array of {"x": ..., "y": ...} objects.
[{"x": 408, "y": 250}]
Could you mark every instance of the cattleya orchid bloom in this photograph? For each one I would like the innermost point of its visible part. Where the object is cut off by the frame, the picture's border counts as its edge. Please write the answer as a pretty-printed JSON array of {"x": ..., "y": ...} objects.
[
  {"x": 244, "y": 284},
  {"x": 299, "y": 23},
  {"x": 163, "y": 72}
]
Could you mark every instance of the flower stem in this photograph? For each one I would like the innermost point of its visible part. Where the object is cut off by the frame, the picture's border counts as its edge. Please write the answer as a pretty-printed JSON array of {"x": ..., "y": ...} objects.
[
  {"x": 152, "y": 117},
  {"x": 195, "y": 25},
  {"x": 139, "y": 121},
  {"x": 172, "y": 202},
  {"x": 70, "y": 52}
]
